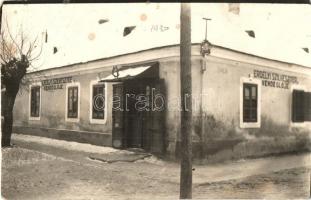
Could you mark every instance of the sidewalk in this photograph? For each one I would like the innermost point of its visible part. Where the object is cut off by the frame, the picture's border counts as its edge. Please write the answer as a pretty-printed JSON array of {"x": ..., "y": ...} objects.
[{"x": 81, "y": 153}]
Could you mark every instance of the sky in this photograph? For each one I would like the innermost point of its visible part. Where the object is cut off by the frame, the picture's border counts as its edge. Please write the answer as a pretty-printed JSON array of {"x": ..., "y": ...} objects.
[{"x": 281, "y": 30}]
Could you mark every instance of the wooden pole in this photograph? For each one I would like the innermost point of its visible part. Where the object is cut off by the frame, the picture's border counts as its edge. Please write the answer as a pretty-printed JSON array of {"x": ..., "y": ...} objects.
[{"x": 186, "y": 112}]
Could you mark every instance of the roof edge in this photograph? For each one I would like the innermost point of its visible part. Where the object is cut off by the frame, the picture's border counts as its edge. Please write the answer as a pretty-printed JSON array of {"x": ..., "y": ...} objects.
[{"x": 166, "y": 46}]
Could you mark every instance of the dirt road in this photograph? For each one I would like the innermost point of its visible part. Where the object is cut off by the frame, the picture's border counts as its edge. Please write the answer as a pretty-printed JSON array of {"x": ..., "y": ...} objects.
[{"x": 28, "y": 174}]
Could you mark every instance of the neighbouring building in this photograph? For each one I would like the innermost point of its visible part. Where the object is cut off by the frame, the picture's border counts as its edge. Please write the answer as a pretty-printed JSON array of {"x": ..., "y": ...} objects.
[{"x": 133, "y": 101}]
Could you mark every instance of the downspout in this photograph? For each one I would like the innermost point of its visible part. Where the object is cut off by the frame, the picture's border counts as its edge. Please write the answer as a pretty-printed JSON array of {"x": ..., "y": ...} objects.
[
  {"x": 205, "y": 51},
  {"x": 202, "y": 116}
]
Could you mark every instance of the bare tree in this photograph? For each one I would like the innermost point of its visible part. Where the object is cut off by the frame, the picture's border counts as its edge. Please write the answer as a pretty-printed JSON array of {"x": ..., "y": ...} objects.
[{"x": 16, "y": 56}]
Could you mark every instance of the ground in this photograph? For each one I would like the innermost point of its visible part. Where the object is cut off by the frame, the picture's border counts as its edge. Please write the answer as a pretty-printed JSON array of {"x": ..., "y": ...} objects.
[{"x": 34, "y": 170}]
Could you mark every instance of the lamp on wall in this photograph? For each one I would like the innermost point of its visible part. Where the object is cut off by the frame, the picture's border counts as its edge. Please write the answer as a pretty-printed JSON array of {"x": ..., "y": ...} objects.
[
  {"x": 115, "y": 71},
  {"x": 205, "y": 47}
]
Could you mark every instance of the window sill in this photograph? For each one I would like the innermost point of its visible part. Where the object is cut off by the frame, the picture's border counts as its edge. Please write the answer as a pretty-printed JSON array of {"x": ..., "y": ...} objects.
[
  {"x": 298, "y": 124},
  {"x": 250, "y": 125},
  {"x": 98, "y": 121},
  {"x": 34, "y": 118},
  {"x": 72, "y": 119}
]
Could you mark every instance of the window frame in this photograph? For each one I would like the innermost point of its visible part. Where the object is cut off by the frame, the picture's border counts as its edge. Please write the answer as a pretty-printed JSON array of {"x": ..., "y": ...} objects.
[
  {"x": 37, "y": 84},
  {"x": 257, "y": 82},
  {"x": 97, "y": 121},
  {"x": 68, "y": 119}
]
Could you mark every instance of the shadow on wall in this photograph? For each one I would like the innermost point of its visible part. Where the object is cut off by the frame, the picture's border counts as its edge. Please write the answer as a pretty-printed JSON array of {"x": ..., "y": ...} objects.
[
  {"x": 270, "y": 129},
  {"x": 220, "y": 141},
  {"x": 216, "y": 129}
]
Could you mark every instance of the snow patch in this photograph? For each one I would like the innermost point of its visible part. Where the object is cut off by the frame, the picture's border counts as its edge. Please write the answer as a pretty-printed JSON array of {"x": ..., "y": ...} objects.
[{"x": 64, "y": 144}]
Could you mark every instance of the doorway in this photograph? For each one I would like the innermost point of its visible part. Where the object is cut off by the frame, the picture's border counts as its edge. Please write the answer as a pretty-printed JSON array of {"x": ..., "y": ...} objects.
[{"x": 138, "y": 124}]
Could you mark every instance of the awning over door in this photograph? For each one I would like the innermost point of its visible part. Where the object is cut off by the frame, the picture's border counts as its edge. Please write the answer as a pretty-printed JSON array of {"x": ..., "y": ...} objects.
[{"x": 125, "y": 74}]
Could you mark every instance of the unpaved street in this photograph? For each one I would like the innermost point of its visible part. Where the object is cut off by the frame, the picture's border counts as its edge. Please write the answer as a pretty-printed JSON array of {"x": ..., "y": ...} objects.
[{"x": 28, "y": 174}]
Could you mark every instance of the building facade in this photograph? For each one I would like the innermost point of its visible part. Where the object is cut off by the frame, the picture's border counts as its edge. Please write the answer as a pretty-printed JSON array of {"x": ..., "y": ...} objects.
[{"x": 133, "y": 101}]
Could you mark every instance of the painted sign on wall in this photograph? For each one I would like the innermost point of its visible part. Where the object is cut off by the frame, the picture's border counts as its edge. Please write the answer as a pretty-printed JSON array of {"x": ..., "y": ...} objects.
[
  {"x": 55, "y": 83},
  {"x": 272, "y": 79}
]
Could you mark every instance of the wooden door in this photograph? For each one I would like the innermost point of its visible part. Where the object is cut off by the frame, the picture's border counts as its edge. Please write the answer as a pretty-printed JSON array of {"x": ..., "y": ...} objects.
[
  {"x": 156, "y": 118},
  {"x": 118, "y": 139},
  {"x": 134, "y": 117}
]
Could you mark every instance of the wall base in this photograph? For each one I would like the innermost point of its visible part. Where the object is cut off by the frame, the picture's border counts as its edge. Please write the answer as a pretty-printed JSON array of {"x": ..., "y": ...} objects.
[
  {"x": 216, "y": 151},
  {"x": 95, "y": 138}
]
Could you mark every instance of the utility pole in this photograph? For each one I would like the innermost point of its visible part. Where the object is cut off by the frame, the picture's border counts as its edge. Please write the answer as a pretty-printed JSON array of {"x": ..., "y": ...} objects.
[{"x": 186, "y": 111}]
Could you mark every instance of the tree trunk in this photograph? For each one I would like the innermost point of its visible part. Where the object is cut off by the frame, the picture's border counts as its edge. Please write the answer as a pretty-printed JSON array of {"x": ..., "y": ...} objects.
[
  {"x": 11, "y": 76},
  {"x": 8, "y": 100}
]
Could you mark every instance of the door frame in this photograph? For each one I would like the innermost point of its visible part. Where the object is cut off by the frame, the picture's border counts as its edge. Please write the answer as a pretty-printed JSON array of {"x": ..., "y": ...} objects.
[{"x": 146, "y": 130}]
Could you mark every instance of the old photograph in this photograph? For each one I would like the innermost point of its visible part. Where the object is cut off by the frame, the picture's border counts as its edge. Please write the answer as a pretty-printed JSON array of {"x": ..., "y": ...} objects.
[{"x": 155, "y": 101}]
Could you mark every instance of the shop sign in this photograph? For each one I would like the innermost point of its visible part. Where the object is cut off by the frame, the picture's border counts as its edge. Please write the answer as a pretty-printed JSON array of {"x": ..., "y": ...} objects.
[
  {"x": 272, "y": 79},
  {"x": 55, "y": 83}
]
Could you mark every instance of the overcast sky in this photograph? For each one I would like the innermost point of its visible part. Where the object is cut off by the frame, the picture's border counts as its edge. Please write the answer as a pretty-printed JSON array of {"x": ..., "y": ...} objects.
[{"x": 281, "y": 31}]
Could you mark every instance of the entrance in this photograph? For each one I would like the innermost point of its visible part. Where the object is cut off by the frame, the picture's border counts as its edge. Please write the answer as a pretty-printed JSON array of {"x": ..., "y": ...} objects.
[{"x": 138, "y": 114}]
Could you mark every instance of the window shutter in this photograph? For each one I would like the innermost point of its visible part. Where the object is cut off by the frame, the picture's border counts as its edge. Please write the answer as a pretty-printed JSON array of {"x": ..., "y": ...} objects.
[
  {"x": 307, "y": 106},
  {"x": 298, "y": 106}
]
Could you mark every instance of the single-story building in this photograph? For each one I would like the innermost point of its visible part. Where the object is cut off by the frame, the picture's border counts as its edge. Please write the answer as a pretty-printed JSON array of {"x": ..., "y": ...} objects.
[{"x": 133, "y": 101}]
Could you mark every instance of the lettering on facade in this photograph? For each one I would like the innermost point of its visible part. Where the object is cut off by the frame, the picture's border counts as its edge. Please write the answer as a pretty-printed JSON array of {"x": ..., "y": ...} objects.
[
  {"x": 272, "y": 79},
  {"x": 55, "y": 83}
]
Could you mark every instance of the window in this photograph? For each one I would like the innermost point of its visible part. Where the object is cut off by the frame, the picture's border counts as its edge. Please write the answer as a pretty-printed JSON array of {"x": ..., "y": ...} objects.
[
  {"x": 250, "y": 102},
  {"x": 35, "y": 101},
  {"x": 72, "y": 102},
  {"x": 98, "y": 101},
  {"x": 297, "y": 106},
  {"x": 301, "y": 106}
]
